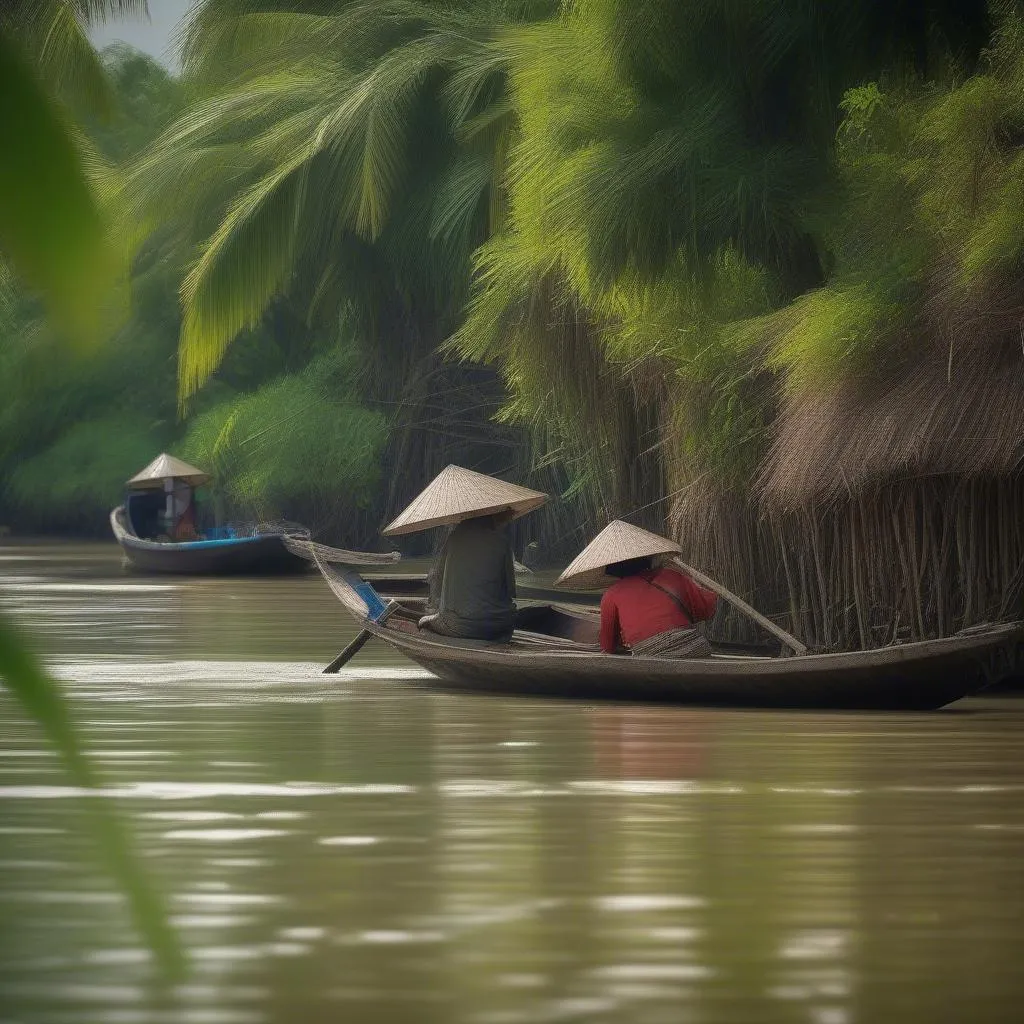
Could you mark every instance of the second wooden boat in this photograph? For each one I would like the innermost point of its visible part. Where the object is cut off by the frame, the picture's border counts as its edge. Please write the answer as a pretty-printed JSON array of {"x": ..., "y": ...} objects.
[
  {"x": 156, "y": 529},
  {"x": 229, "y": 552}
]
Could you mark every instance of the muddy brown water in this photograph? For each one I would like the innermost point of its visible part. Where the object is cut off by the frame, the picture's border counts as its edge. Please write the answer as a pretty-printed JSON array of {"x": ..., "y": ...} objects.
[{"x": 365, "y": 848}]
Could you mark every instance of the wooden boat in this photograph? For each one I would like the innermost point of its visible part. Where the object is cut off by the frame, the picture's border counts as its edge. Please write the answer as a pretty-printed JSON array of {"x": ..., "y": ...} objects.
[
  {"x": 262, "y": 549},
  {"x": 160, "y": 500},
  {"x": 558, "y": 656},
  {"x": 230, "y": 551}
]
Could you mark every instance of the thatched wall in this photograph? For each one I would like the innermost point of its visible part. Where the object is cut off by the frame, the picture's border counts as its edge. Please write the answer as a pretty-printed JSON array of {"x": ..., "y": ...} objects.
[
  {"x": 908, "y": 560},
  {"x": 948, "y": 401},
  {"x": 889, "y": 505}
]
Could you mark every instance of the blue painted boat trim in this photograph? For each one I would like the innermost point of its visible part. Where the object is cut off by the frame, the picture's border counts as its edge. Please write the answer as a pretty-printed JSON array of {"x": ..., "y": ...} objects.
[{"x": 205, "y": 545}]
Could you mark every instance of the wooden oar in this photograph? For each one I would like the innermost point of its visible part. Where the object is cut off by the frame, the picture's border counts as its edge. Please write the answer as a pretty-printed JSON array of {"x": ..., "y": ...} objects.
[
  {"x": 740, "y": 605},
  {"x": 349, "y": 652},
  {"x": 357, "y": 644}
]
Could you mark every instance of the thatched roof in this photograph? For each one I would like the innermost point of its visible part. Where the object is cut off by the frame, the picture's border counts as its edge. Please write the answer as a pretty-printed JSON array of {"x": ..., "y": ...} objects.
[{"x": 949, "y": 409}]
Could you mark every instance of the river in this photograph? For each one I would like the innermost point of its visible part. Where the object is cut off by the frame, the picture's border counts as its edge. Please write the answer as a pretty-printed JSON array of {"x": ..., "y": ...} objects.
[{"x": 364, "y": 847}]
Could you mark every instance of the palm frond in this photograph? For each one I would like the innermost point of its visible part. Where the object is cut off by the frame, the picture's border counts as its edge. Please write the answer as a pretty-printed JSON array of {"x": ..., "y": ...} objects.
[
  {"x": 241, "y": 268},
  {"x": 95, "y": 11},
  {"x": 458, "y": 196},
  {"x": 50, "y": 226},
  {"x": 56, "y": 35},
  {"x": 225, "y": 49},
  {"x": 369, "y": 132}
]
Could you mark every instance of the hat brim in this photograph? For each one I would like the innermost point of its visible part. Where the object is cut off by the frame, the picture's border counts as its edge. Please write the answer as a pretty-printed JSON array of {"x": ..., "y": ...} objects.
[{"x": 453, "y": 518}]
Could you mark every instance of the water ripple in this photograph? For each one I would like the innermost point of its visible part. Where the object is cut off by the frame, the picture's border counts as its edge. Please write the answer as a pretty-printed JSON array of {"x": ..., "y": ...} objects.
[{"x": 203, "y": 790}]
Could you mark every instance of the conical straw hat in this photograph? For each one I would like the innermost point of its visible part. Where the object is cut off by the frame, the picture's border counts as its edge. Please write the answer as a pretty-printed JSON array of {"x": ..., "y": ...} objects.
[
  {"x": 456, "y": 494},
  {"x": 167, "y": 467},
  {"x": 617, "y": 542}
]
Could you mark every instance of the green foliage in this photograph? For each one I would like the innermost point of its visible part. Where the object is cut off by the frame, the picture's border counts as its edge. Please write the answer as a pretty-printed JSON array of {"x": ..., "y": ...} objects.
[
  {"x": 74, "y": 483},
  {"x": 638, "y": 212},
  {"x": 859, "y": 106},
  {"x": 675, "y": 211},
  {"x": 771, "y": 195},
  {"x": 64, "y": 452},
  {"x": 325, "y": 133},
  {"x": 50, "y": 227},
  {"x": 298, "y": 442},
  {"x": 831, "y": 332},
  {"x": 929, "y": 190},
  {"x": 56, "y": 34},
  {"x": 145, "y": 97},
  {"x": 995, "y": 243}
]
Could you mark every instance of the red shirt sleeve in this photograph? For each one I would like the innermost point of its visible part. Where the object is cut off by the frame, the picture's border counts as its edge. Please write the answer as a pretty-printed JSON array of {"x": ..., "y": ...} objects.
[
  {"x": 701, "y": 602},
  {"x": 609, "y": 623}
]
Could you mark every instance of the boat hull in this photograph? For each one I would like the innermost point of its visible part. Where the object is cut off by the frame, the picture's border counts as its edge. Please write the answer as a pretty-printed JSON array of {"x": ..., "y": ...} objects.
[
  {"x": 257, "y": 556},
  {"x": 923, "y": 686},
  {"x": 554, "y": 654},
  {"x": 920, "y": 676}
]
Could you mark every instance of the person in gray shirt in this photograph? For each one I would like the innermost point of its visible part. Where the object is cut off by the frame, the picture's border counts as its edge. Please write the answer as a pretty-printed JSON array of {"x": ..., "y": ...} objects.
[{"x": 473, "y": 584}]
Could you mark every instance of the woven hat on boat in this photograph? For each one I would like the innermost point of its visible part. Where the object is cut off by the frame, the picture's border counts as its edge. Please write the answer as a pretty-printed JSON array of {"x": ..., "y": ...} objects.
[
  {"x": 617, "y": 542},
  {"x": 167, "y": 467},
  {"x": 456, "y": 494}
]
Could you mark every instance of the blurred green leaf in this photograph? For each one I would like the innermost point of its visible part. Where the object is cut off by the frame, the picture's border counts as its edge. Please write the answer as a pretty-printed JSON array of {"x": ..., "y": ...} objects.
[
  {"x": 41, "y": 697},
  {"x": 50, "y": 227},
  {"x": 52, "y": 235}
]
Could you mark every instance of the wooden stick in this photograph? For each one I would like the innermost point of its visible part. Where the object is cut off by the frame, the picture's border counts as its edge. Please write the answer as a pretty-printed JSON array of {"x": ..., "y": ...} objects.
[
  {"x": 349, "y": 652},
  {"x": 740, "y": 605},
  {"x": 354, "y": 648}
]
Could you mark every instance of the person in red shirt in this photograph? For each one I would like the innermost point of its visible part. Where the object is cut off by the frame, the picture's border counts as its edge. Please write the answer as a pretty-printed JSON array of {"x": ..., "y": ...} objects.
[{"x": 652, "y": 611}]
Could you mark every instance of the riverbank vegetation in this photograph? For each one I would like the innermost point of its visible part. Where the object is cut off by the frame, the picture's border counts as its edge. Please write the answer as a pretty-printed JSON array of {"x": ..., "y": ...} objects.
[{"x": 748, "y": 273}]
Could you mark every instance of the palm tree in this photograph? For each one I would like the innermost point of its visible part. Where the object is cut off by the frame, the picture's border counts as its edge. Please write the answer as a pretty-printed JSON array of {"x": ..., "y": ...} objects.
[
  {"x": 343, "y": 165},
  {"x": 56, "y": 34},
  {"x": 345, "y": 158},
  {"x": 635, "y": 174}
]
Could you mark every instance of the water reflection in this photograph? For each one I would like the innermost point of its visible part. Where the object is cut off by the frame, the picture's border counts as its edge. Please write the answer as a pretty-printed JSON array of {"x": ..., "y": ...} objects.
[{"x": 361, "y": 848}]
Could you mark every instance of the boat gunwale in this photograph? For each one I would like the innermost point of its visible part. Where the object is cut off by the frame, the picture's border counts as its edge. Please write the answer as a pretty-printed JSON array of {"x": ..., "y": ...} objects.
[
  {"x": 716, "y": 665},
  {"x": 122, "y": 532}
]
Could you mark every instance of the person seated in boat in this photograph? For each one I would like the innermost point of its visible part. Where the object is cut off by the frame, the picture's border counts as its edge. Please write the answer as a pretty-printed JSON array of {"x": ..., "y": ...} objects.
[
  {"x": 473, "y": 584},
  {"x": 185, "y": 525},
  {"x": 652, "y": 611}
]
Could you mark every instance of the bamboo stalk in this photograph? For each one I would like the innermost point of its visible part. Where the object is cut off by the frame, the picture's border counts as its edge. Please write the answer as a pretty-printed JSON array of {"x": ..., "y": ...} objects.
[
  {"x": 826, "y": 632},
  {"x": 855, "y": 577},
  {"x": 915, "y": 568},
  {"x": 789, "y": 585}
]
